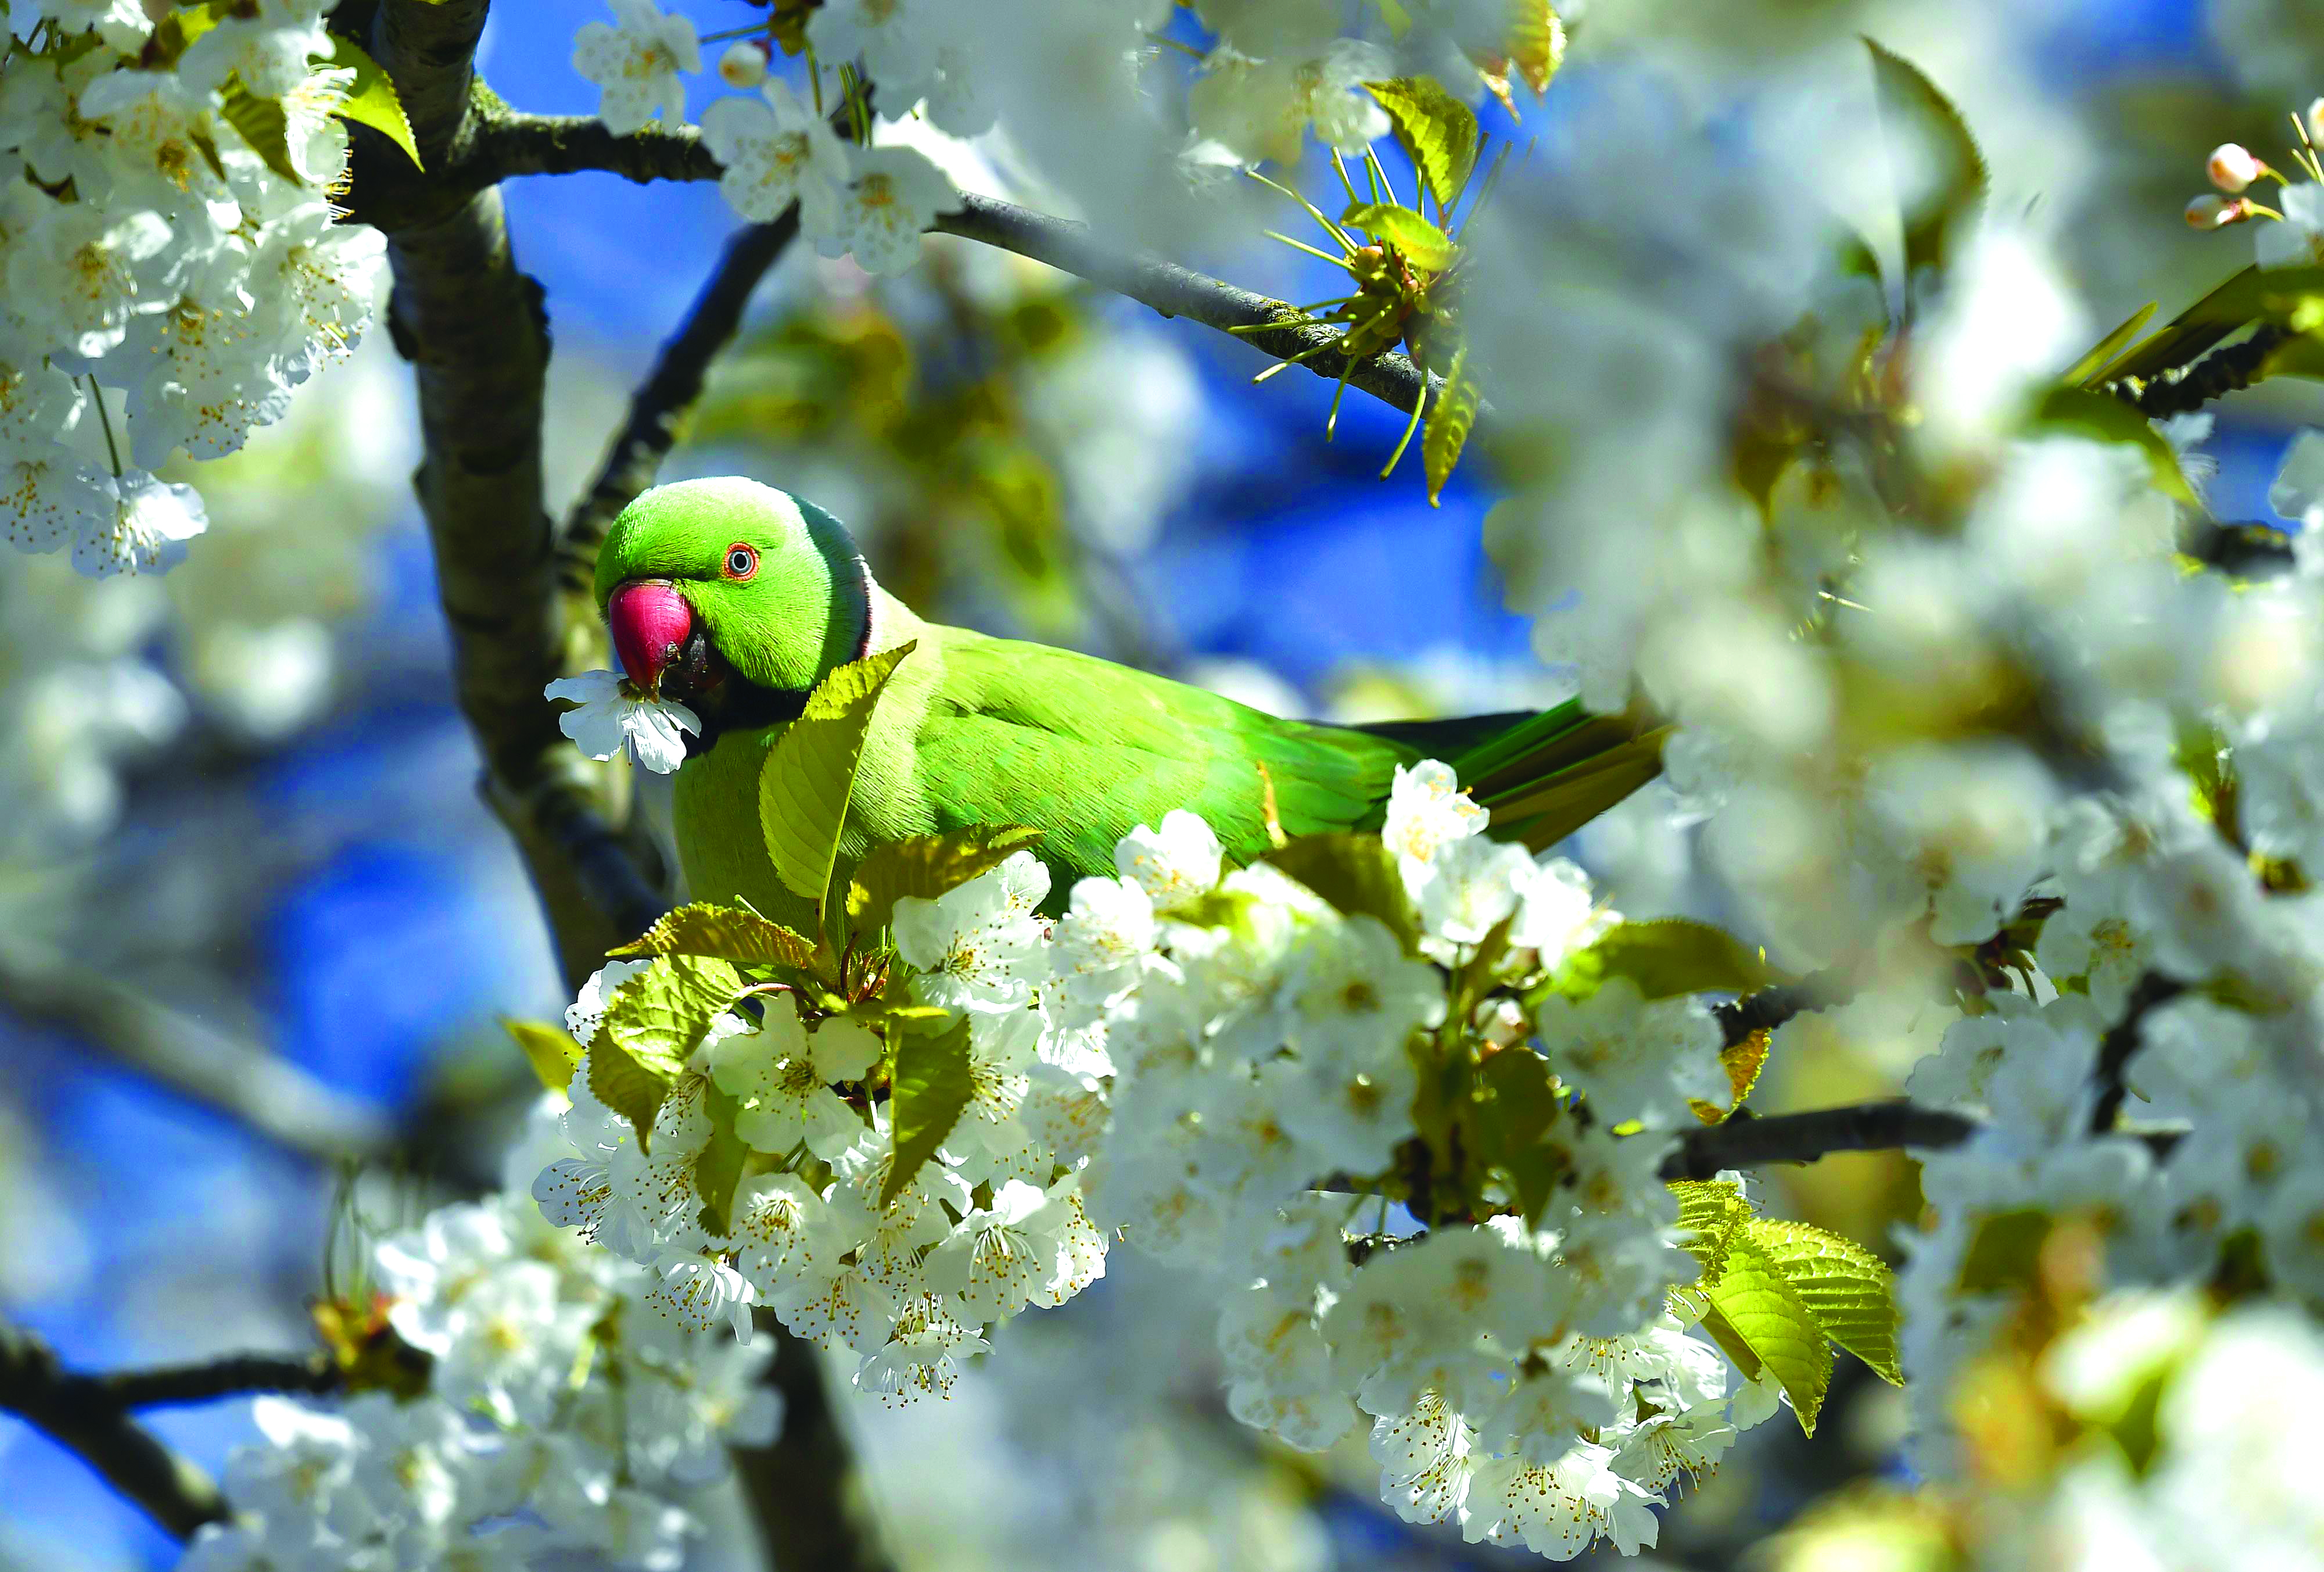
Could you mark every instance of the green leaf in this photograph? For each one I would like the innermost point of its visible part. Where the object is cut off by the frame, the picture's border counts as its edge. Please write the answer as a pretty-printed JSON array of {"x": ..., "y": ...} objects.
[
  {"x": 551, "y": 1051},
  {"x": 1356, "y": 875},
  {"x": 1710, "y": 1213},
  {"x": 260, "y": 123},
  {"x": 371, "y": 98},
  {"x": 1920, "y": 125},
  {"x": 2084, "y": 373},
  {"x": 1667, "y": 957},
  {"x": 659, "y": 1017},
  {"x": 1759, "y": 1309},
  {"x": 1845, "y": 1287},
  {"x": 930, "y": 1089},
  {"x": 628, "y": 1086},
  {"x": 1515, "y": 1110},
  {"x": 2109, "y": 419},
  {"x": 1450, "y": 421},
  {"x": 810, "y": 773},
  {"x": 1742, "y": 1061},
  {"x": 1535, "y": 45},
  {"x": 1423, "y": 244},
  {"x": 926, "y": 865},
  {"x": 719, "y": 1168},
  {"x": 1437, "y": 130},
  {"x": 736, "y": 933}
]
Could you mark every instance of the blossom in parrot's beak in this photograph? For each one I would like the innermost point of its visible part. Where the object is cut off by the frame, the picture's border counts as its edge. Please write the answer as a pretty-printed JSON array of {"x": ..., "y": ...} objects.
[{"x": 651, "y": 622}]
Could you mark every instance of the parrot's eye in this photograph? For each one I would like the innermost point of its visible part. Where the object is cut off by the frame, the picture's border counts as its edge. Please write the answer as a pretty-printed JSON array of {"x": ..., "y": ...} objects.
[{"x": 741, "y": 560}]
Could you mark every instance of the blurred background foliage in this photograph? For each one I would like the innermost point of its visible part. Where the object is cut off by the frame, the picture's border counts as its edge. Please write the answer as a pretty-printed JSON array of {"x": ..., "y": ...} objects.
[{"x": 240, "y": 800}]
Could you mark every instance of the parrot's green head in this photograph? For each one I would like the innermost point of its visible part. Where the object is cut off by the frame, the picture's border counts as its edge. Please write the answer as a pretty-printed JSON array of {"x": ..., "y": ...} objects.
[{"x": 709, "y": 579}]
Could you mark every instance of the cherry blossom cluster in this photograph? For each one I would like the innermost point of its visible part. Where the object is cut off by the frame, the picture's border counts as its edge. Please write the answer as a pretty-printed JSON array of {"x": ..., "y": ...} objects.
[
  {"x": 169, "y": 281},
  {"x": 1521, "y": 1375},
  {"x": 1229, "y": 1071},
  {"x": 559, "y": 1414},
  {"x": 908, "y": 1276}
]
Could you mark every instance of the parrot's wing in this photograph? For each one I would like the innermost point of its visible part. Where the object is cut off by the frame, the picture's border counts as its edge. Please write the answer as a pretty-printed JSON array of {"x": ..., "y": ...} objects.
[{"x": 1085, "y": 750}]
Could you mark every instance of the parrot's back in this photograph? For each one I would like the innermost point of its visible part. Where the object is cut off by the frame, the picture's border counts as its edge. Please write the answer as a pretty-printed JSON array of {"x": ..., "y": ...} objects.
[{"x": 974, "y": 730}]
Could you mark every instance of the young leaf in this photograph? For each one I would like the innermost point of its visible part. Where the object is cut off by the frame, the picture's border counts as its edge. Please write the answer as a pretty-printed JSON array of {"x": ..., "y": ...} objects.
[
  {"x": 550, "y": 1050},
  {"x": 262, "y": 125},
  {"x": 1516, "y": 1109},
  {"x": 1423, "y": 244},
  {"x": 1940, "y": 173},
  {"x": 1535, "y": 45},
  {"x": 659, "y": 1017},
  {"x": 740, "y": 935},
  {"x": 1436, "y": 129},
  {"x": 2108, "y": 419},
  {"x": 719, "y": 1168},
  {"x": 926, "y": 865},
  {"x": 1845, "y": 1287},
  {"x": 930, "y": 1089},
  {"x": 1356, "y": 875},
  {"x": 629, "y": 1088},
  {"x": 1667, "y": 957},
  {"x": 810, "y": 772},
  {"x": 1742, "y": 1061},
  {"x": 371, "y": 98},
  {"x": 1767, "y": 1321},
  {"x": 1710, "y": 1213},
  {"x": 1449, "y": 421},
  {"x": 2084, "y": 373}
]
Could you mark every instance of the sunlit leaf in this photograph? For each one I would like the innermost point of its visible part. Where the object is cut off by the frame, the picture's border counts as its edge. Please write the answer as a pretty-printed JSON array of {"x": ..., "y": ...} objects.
[
  {"x": 1847, "y": 1289},
  {"x": 1437, "y": 130},
  {"x": 1356, "y": 875},
  {"x": 1766, "y": 1319},
  {"x": 1667, "y": 957},
  {"x": 1450, "y": 421},
  {"x": 553, "y": 1052},
  {"x": 1940, "y": 174},
  {"x": 738, "y": 935},
  {"x": 371, "y": 98},
  {"x": 810, "y": 773},
  {"x": 1423, "y": 244},
  {"x": 930, "y": 1090},
  {"x": 261, "y": 123},
  {"x": 925, "y": 867},
  {"x": 661, "y": 1015}
]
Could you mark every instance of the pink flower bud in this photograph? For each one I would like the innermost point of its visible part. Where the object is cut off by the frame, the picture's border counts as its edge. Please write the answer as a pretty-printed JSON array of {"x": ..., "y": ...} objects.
[
  {"x": 744, "y": 65},
  {"x": 2210, "y": 212},
  {"x": 2232, "y": 168}
]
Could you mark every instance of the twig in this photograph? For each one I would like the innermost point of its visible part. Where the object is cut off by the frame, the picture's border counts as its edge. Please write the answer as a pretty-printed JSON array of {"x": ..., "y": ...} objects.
[
  {"x": 1179, "y": 292},
  {"x": 651, "y": 430},
  {"x": 74, "y": 1412},
  {"x": 1771, "y": 1007},
  {"x": 2191, "y": 387},
  {"x": 263, "y": 1090},
  {"x": 2120, "y": 1042},
  {"x": 231, "y": 1375},
  {"x": 506, "y": 143},
  {"x": 1806, "y": 1137}
]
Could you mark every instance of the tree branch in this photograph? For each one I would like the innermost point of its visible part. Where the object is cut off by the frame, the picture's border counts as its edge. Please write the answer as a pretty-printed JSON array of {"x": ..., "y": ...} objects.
[
  {"x": 508, "y": 144},
  {"x": 660, "y": 401},
  {"x": 1748, "y": 1142},
  {"x": 1771, "y": 1007},
  {"x": 2191, "y": 387},
  {"x": 75, "y": 1411},
  {"x": 263, "y": 1090},
  {"x": 2121, "y": 1041},
  {"x": 1179, "y": 292}
]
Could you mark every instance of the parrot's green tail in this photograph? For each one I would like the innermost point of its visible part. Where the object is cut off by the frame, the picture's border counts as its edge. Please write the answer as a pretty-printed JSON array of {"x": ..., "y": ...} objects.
[{"x": 1543, "y": 775}]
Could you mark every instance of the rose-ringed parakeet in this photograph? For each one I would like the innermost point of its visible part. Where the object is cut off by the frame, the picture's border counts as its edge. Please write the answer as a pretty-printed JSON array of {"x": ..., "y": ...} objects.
[{"x": 736, "y": 598}]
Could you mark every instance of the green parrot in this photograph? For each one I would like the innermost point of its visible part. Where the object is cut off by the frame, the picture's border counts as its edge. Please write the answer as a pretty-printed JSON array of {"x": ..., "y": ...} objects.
[{"x": 735, "y": 599}]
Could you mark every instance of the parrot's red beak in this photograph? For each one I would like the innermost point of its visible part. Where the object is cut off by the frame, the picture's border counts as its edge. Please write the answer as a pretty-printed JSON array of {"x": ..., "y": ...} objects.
[{"x": 651, "y": 622}]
